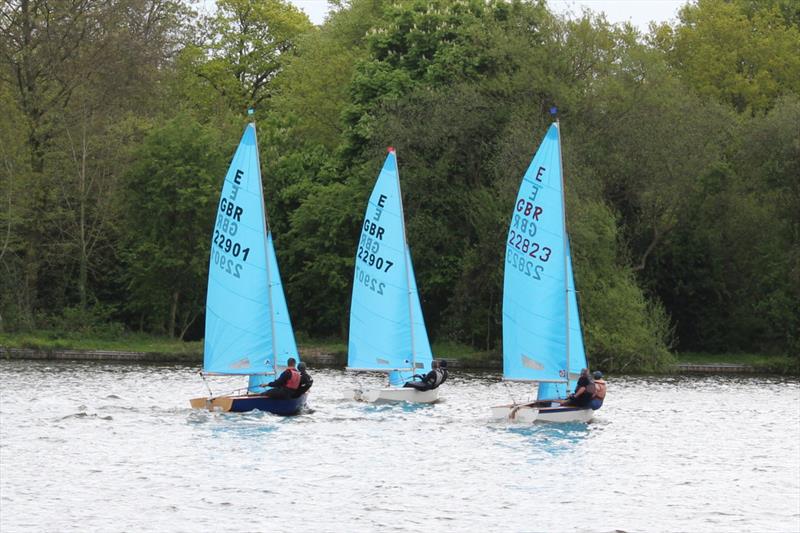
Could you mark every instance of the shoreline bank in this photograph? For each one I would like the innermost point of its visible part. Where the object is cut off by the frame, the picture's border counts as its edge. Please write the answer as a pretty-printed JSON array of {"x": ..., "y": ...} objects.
[{"x": 314, "y": 357}]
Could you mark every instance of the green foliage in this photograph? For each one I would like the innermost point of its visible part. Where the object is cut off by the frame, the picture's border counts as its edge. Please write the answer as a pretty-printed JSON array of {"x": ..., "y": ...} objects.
[
  {"x": 249, "y": 41},
  {"x": 735, "y": 260},
  {"x": 681, "y": 155},
  {"x": 170, "y": 196},
  {"x": 103, "y": 339},
  {"x": 735, "y": 52},
  {"x": 623, "y": 330}
]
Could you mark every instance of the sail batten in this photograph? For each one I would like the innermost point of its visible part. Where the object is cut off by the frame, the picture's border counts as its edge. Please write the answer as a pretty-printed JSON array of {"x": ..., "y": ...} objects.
[{"x": 541, "y": 326}]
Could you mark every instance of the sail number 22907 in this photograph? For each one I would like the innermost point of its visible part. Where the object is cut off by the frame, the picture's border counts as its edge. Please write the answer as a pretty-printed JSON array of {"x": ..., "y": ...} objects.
[{"x": 370, "y": 282}]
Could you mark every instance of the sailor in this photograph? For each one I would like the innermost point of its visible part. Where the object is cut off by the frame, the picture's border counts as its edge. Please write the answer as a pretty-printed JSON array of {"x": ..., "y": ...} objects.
[
  {"x": 305, "y": 380},
  {"x": 584, "y": 390},
  {"x": 600, "y": 392},
  {"x": 443, "y": 368},
  {"x": 431, "y": 381},
  {"x": 287, "y": 383}
]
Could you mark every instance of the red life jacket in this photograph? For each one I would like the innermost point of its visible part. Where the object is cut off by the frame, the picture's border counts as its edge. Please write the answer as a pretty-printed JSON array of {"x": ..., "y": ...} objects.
[{"x": 294, "y": 380}]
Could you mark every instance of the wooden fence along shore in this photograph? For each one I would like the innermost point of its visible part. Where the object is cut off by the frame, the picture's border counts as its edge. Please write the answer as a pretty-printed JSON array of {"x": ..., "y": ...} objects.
[{"x": 312, "y": 356}]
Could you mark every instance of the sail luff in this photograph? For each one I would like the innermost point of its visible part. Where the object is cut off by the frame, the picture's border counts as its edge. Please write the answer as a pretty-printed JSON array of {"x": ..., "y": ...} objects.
[
  {"x": 266, "y": 251},
  {"x": 564, "y": 239}
]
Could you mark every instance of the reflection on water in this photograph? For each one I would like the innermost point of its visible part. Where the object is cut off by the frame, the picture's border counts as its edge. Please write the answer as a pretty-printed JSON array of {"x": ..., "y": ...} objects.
[{"x": 114, "y": 447}]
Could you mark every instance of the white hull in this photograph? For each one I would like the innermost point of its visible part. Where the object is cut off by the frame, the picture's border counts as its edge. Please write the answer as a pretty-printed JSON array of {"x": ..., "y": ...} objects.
[
  {"x": 528, "y": 413},
  {"x": 393, "y": 394}
]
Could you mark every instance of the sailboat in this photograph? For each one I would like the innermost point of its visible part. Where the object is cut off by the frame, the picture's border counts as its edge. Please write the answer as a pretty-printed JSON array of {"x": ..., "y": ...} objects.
[
  {"x": 248, "y": 330},
  {"x": 387, "y": 330},
  {"x": 542, "y": 337}
]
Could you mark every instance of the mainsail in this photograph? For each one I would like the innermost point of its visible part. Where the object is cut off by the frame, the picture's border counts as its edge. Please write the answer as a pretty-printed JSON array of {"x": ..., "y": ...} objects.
[
  {"x": 387, "y": 330},
  {"x": 542, "y": 339},
  {"x": 248, "y": 330}
]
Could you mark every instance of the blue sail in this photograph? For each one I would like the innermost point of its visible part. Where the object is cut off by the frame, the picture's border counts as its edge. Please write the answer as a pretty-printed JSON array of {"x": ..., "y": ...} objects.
[
  {"x": 285, "y": 346},
  {"x": 423, "y": 356},
  {"x": 384, "y": 302},
  {"x": 535, "y": 276},
  {"x": 240, "y": 337},
  {"x": 577, "y": 354}
]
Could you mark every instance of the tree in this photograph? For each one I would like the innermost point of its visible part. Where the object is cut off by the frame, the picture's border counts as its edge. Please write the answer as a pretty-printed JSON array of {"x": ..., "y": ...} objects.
[
  {"x": 170, "y": 196},
  {"x": 76, "y": 68},
  {"x": 249, "y": 42},
  {"x": 14, "y": 178},
  {"x": 730, "y": 278},
  {"x": 732, "y": 52}
]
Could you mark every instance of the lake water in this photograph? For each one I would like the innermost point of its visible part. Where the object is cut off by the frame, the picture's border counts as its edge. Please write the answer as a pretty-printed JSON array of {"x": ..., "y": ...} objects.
[{"x": 114, "y": 447}]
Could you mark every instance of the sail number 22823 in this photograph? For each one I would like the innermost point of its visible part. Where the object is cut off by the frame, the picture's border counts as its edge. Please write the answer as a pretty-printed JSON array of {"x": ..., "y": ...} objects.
[{"x": 524, "y": 265}]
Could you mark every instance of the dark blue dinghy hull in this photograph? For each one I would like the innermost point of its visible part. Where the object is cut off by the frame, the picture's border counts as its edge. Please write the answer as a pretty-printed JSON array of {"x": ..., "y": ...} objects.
[{"x": 251, "y": 402}]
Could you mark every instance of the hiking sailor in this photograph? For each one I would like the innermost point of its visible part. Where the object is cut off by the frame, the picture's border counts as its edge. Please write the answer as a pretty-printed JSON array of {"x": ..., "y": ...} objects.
[
  {"x": 584, "y": 390},
  {"x": 305, "y": 381},
  {"x": 431, "y": 381},
  {"x": 600, "y": 393}
]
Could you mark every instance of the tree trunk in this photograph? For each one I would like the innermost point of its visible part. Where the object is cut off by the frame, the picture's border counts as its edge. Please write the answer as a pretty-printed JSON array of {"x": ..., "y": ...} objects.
[
  {"x": 83, "y": 195},
  {"x": 173, "y": 312}
]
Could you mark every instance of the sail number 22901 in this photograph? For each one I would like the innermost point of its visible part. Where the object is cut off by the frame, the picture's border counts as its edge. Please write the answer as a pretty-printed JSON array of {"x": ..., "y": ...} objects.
[
  {"x": 230, "y": 246},
  {"x": 222, "y": 247}
]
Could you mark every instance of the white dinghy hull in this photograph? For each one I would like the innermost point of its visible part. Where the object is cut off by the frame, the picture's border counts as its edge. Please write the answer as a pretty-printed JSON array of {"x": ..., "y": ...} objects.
[
  {"x": 393, "y": 394},
  {"x": 529, "y": 413}
]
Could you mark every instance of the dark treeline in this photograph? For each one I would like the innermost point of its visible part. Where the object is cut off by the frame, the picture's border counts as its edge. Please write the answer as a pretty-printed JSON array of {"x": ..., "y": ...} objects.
[{"x": 681, "y": 156}]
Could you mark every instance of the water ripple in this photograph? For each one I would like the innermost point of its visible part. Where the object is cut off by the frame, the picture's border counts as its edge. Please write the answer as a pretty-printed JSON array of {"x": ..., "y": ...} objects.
[{"x": 664, "y": 454}]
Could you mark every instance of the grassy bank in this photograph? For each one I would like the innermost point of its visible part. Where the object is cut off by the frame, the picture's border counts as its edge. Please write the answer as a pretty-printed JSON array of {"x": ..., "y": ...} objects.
[
  {"x": 139, "y": 342},
  {"x": 771, "y": 364},
  {"x": 126, "y": 342},
  {"x": 468, "y": 356}
]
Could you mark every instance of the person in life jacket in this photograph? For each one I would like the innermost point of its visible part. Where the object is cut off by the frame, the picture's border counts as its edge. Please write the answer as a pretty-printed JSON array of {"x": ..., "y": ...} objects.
[
  {"x": 600, "y": 393},
  {"x": 430, "y": 381},
  {"x": 305, "y": 381},
  {"x": 287, "y": 383},
  {"x": 584, "y": 391}
]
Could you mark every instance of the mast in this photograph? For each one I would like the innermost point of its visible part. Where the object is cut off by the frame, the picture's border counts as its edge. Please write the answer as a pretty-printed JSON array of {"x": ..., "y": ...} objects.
[
  {"x": 405, "y": 262},
  {"x": 564, "y": 245},
  {"x": 266, "y": 248}
]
